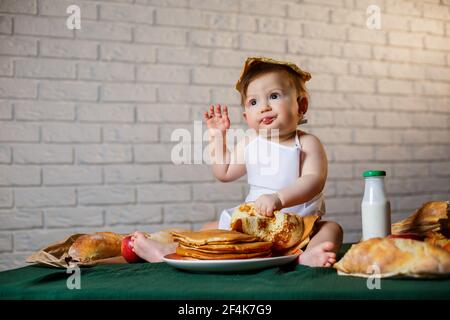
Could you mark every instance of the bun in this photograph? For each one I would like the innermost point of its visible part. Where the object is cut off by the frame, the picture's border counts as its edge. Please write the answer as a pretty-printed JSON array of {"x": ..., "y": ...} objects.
[{"x": 100, "y": 245}]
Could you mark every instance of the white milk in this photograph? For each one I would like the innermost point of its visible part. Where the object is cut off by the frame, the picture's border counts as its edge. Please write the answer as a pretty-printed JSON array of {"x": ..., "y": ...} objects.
[{"x": 375, "y": 207}]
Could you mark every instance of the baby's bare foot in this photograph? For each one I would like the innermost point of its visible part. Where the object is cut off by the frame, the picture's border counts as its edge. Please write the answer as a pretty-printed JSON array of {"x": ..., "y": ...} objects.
[
  {"x": 318, "y": 256},
  {"x": 150, "y": 250}
]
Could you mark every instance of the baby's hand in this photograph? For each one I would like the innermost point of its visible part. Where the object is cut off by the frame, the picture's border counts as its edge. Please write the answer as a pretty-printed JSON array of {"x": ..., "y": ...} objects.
[
  {"x": 215, "y": 120},
  {"x": 267, "y": 203}
]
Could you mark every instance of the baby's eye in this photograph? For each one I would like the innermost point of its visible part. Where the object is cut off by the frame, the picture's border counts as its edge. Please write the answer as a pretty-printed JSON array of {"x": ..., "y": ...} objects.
[
  {"x": 274, "y": 96},
  {"x": 252, "y": 102}
]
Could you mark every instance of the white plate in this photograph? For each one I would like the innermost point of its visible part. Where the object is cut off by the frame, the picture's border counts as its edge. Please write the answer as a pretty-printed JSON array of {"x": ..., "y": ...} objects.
[{"x": 226, "y": 265}]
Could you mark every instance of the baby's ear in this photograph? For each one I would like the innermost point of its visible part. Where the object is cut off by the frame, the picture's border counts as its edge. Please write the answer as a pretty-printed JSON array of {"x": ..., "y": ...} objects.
[
  {"x": 302, "y": 104},
  {"x": 244, "y": 114}
]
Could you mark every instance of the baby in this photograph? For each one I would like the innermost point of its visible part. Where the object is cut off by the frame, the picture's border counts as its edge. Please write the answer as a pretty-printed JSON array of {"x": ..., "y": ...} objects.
[{"x": 275, "y": 100}]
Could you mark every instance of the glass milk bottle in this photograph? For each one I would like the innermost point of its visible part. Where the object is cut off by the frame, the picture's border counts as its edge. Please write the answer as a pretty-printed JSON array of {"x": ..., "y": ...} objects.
[{"x": 375, "y": 207}]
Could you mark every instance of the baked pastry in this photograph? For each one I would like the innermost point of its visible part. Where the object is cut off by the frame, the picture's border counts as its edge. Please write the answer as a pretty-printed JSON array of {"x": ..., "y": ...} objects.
[
  {"x": 394, "y": 257},
  {"x": 190, "y": 253},
  {"x": 100, "y": 245},
  {"x": 438, "y": 239},
  {"x": 284, "y": 230},
  {"x": 432, "y": 216},
  {"x": 213, "y": 236}
]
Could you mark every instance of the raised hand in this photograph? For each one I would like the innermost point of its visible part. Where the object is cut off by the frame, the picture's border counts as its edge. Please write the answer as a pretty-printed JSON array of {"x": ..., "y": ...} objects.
[{"x": 216, "y": 119}]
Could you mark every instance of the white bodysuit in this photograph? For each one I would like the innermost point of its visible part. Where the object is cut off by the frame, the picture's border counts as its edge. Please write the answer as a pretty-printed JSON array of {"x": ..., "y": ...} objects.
[{"x": 270, "y": 167}]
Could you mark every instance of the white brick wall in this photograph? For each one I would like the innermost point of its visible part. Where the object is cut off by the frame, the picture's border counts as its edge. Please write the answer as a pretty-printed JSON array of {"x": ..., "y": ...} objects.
[{"x": 86, "y": 115}]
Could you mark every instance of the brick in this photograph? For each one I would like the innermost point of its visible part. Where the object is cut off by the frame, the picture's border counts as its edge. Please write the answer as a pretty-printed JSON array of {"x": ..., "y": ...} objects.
[
  {"x": 246, "y": 23},
  {"x": 428, "y": 120},
  {"x": 411, "y": 136},
  {"x": 368, "y": 102},
  {"x": 355, "y": 84},
  {"x": 44, "y": 197},
  {"x": 367, "y": 35},
  {"x": 6, "y": 112},
  {"x": 164, "y": 193},
  {"x": 188, "y": 212},
  {"x": 40, "y": 26},
  {"x": 263, "y": 43},
  {"x": 71, "y": 91},
  {"x": 131, "y": 174},
  {"x": 349, "y": 187},
  {"x": 100, "y": 112},
  {"x": 308, "y": 12},
  {"x": 14, "y": 6},
  {"x": 403, "y": 71},
  {"x": 33, "y": 240},
  {"x": 215, "y": 39},
  {"x": 186, "y": 173},
  {"x": 343, "y": 205},
  {"x": 353, "y": 153},
  {"x": 184, "y": 94},
  {"x": 431, "y": 185},
  {"x": 181, "y": 130},
  {"x": 437, "y": 43},
  {"x": 406, "y": 39},
  {"x": 40, "y": 68},
  {"x": 106, "y": 195},
  {"x": 128, "y": 92},
  {"x": 375, "y": 136},
  {"x": 19, "y": 132},
  {"x": 391, "y": 54},
  {"x": 321, "y": 83},
  {"x": 432, "y": 89},
  {"x": 162, "y": 113},
  {"x": 263, "y": 7},
  {"x": 190, "y": 56},
  {"x": 360, "y": 167},
  {"x": 395, "y": 22},
  {"x": 151, "y": 153},
  {"x": 135, "y": 133},
  {"x": 88, "y": 10},
  {"x": 6, "y": 66},
  {"x": 216, "y": 192},
  {"x": 327, "y": 65},
  {"x": 6, "y": 244},
  {"x": 104, "y": 31},
  {"x": 20, "y": 219},
  {"x": 216, "y": 5},
  {"x": 440, "y": 136},
  {"x": 160, "y": 35},
  {"x": 353, "y": 50},
  {"x": 408, "y": 103},
  {"x": 439, "y": 168},
  {"x": 431, "y": 152},
  {"x": 5, "y": 25},
  {"x": 68, "y": 49},
  {"x": 343, "y": 16},
  {"x": 71, "y": 175},
  {"x": 20, "y": 176},
  {"x": 340, "y": 170},
  {"x": 215, "y": 76},
  {"x": 404, "y": 7},
  {"x": 338, "y": 3},
  {"x": 410, "y": 170},
  {"x": 73, "y": 217},
  {"x": 163, "y": 73},
  {"x": 395, "y": 86},
  {"x": 324, "y": 31},
  {"x": 426, "y": 56},
  {"x": 436, "y": 11},
  {"x": 272, "y": 25},
  {"x": 17, "y": 45},
  {"x": 181, "y": 17},
  {"x": 437, "y": 73},
  {"x": 17, "y": 88},
  {"x": 393, "y": 153},
  {"x": 6, "y": 198},
  {"x": 138, "y": 214},
  {"x": 427, "y": 25},
  {"x": 321, "y": 118},
  {"x": 354, "y": 119},
  {"x": 42, "y": 154},
  {"x": 228, "y": 96},
  {"x": 126, "y": 13},
  {"x": 44, "y": 111},
  {"x": 105, "y": 71},
  {"x": 5, "y": 154},
  {"x": 333, "y": 135},
  {"x": 96, "y": 154},
  {"x": 127, "y": 52},
  {"x": 372, "y": 68}
]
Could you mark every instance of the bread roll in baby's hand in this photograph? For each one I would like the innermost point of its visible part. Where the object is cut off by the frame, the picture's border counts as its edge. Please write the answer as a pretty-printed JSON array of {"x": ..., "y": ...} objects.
[{"x": 286, "y": 231}]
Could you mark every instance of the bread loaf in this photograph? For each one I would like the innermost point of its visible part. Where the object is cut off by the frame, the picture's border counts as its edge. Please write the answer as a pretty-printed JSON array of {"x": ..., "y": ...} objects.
[{"x": 100, "y": 245}]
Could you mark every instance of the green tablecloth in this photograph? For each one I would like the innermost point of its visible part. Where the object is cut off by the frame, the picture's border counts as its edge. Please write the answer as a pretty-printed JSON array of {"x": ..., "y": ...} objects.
[{"x": 161, "y": 281}]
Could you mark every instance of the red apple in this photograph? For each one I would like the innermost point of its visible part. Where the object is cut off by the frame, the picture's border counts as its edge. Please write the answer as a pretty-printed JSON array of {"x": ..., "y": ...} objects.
[
  {"x": 413, "y": 236},
  {"x": 127, "y": 251}
]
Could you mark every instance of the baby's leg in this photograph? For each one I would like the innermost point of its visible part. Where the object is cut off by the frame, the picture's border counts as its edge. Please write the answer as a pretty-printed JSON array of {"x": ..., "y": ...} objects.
[
  {"x": 326, "y": 242},
  {"x": 151, "y": 250}
]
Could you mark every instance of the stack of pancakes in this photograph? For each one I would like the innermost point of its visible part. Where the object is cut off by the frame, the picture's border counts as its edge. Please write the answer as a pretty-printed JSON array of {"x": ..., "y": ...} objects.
[{"x": 218, "y": 244}]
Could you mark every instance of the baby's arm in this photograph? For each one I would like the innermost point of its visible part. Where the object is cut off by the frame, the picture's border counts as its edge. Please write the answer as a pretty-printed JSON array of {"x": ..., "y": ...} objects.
[
  {"x": 314, "y": 172},
  {"x": 226, "y": 166}
]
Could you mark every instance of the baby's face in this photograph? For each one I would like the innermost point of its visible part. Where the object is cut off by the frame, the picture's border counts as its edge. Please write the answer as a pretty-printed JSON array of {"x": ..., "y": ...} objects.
[{"x": 271, "y": 103}]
